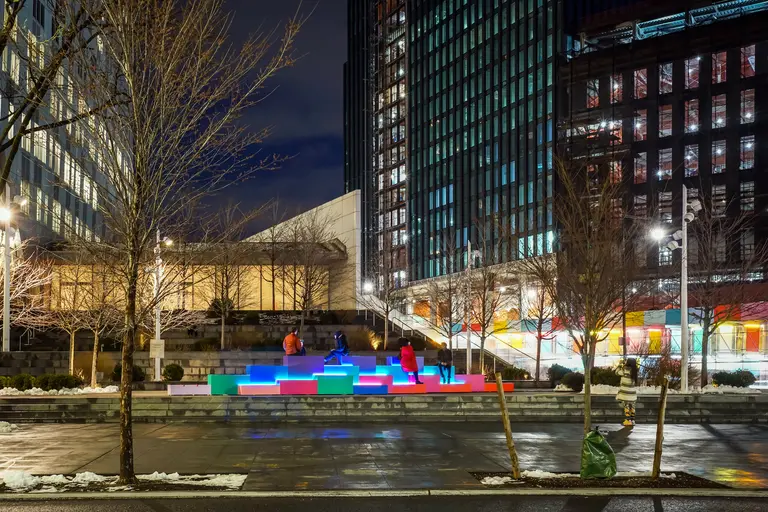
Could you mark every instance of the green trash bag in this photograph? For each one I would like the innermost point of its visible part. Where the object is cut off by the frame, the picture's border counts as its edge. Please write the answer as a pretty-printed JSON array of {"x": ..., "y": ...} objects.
[{"x": 597, "y": 457}]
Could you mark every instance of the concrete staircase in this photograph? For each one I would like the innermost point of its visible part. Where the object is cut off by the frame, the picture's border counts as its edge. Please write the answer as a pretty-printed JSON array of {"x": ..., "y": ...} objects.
[{"x": 494, "y": 346}]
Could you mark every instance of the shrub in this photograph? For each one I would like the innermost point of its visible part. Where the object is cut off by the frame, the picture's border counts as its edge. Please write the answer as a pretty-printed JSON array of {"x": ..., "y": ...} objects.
[
  {"x": 737, "y": 379},
  {"x": 173, "y": 373},
  {"x": 5, "y": 382},
  {"x": 573, "y": 380},
  {"x": 206, "y": 345},
  {"x": 607, "y": 376},
  {"x": 138, "y": 373},
  {"x": 22, "y": 381},
  {"x": 514, "y": 373},
  {"x": 556, "y": 372},
  {"x": 48, "y": 382}
]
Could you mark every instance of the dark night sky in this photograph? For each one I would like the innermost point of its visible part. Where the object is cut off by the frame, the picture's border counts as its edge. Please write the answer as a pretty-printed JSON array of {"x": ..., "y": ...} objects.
[{"x": 306, "y": 109}]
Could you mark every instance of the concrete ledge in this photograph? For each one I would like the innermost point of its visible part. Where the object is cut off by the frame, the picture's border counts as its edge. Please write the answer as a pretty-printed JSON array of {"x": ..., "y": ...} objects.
[{"x": 408, "y": 408}]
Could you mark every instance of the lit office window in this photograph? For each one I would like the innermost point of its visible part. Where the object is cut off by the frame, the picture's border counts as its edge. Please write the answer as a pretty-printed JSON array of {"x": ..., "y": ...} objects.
[
  {"x": 593, "y": 93},
  {"x": 692, "y": 70},
  {"x": 641, "y": 125},
  {"x": 617, "y": 88},
  {"x": 665, "y": 78},
  {"x": 641, "y": 167},
  {"x": 718, "y": 111},
  {"x": 719, "y": 61},
  {"x": 747, "y": 152},
  {"x": 747, "y": 200},
  {"x": 691, "y": 116},
  {"x": 691, "y": 160},
  {"x": 665, "y": 120},
  {"x": 641, "y": 83},
  {"x": 718, "y": 156},
  {"x": 747, "y": 106},
  {"x": 665, "y": 164},
  {"x": 748, "y": 61}
]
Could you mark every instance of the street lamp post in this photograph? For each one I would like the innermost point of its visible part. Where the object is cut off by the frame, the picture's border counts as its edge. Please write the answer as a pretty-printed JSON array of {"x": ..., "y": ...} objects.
[
  {"x": 468, "y": 308},
  {"x": 159, "y": 353},
  {"x": 680, "y": 241},
  {"x": 6, "y": 213}
]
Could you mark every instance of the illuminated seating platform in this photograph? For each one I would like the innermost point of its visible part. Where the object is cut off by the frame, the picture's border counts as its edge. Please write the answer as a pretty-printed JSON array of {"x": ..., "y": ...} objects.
[{"x": 356, "y": 375}]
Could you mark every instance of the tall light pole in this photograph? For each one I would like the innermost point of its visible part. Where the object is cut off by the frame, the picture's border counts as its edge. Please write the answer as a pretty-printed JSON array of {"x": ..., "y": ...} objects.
[
  {"x": 158, "y": 276},
  {"x": 680, "y": 241},
  {"x": 6, "y": 213},
  {"x": 468, "y": 308}
]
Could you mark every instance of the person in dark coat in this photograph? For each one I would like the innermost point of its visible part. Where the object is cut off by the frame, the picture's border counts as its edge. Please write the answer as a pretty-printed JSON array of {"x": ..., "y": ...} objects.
[
  {"x": 342, "y": 347},
  {"x": 408, "y": 359},
  {"x": 444, "y": 363}
]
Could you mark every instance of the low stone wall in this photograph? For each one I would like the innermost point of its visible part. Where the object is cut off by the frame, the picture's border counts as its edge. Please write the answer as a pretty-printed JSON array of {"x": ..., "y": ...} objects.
[
  {"x": 523, "y": 407},
  {"x": 197, "y": 365}
]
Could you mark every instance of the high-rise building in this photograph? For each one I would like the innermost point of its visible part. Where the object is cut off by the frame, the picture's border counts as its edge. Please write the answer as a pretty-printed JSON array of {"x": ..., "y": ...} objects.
[
  {"x": 52, "y": 169},
  {"x": 670, "y": 98},
  {"x": 452, "y": 123}
]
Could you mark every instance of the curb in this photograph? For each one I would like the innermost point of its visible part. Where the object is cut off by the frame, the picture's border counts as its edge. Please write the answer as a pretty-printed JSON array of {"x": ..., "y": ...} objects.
[{"x": 593, "y": 492}]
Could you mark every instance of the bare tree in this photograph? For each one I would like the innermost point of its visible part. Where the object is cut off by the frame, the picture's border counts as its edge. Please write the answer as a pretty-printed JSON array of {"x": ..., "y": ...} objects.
[
  {"x": 30, "y": 278},
  {"x": 231, "y": 286},
  {"x": 312, "y": 244},
  {"x": 726, "y": 266},
  {"x": 536, "y": 273},
  {"x": 102, "y": 316},
  {"x": 72, "y": 292},
  {"x": 274, "y": 238},
  {"x": 592, "y": 263},
  {"x": 176, "y": 143},
  {"x": 447, "y": 294},
  {"x": 488, "y": 277}
]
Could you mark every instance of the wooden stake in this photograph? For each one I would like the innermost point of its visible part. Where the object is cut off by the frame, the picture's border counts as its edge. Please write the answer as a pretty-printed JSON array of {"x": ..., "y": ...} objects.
[
  {"x": 507, "y": 428},
  {"x": 660, "y": 430}
]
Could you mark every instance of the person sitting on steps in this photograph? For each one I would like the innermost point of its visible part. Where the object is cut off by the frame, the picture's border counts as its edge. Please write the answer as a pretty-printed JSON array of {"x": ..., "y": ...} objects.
[
  {"x": 342, "y": 347},
  {"x": 292, "y": 345}
]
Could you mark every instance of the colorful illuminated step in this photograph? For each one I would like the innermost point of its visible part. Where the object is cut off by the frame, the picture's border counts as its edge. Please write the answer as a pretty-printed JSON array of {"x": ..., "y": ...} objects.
[
  {"x": 376, "y": 379},
  {"x": 370, "y": 389},
  {"x": 258, "y": 389},
  {"x": 226, "y": 384},
  {"x": 407, "y": 389},
  {"x": 458, "y": 387},
  {"x": 334, "y": 384},
  {"x": 490, "y": 387},
  {"x": 298, "y": 387}
]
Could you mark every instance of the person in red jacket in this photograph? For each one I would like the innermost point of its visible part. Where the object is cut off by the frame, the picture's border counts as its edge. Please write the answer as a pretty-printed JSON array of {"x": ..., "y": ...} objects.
[{"x": 408, "y": 359}]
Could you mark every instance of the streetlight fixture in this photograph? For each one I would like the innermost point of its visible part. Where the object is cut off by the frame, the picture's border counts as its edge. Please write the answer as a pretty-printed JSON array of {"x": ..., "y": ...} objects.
[
  {"x": 368, "y": 287},
  {"x": 6, "y": 215},
  {"x": 680, "y": 241},
  {"x": 658, "y": 234}
]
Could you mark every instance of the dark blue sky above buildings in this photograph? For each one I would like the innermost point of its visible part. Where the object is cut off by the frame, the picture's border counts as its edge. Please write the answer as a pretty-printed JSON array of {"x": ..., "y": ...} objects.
[{"x": 305, "y": 109}]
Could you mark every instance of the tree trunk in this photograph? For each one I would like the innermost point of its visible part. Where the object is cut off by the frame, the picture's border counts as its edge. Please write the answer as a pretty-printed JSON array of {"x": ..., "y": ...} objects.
[
  {"x": 587, "y": 359},
  {"x": 301, "y": 324},
  {"x": 482, "y": 354},
  {"x": 95, "y": 360},
  {"x": 223, "y": 326},
  {"x": 705, "y": 333},
  {"x": 127, "y": 474},
  {"x": 538, "y": 356},
  {"x": 386, "y": 324},
  {"x": 72, "y": 352}
]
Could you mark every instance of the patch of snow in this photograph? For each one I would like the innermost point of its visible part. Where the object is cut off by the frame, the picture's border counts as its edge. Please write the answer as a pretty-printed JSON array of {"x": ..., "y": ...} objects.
[
  {"x": 7, "y": 428},
  {"x": 18, "y": 480},
  {"x": 563, "y": 388},
  {"x": 671, "y": 476},
  {"x": 21, "y": 481},
  {"x": 720, "y": 390},
  {"x": 54, "y": 480},
  {"x": 496, "y": 480},
  {"x": 228, "y": 481},
  {"x": 159, "y": 477},
  {"x": 87, "y": 478},
  {"x": 57, "y": 392},
  {"x": 536, "y": 473}
]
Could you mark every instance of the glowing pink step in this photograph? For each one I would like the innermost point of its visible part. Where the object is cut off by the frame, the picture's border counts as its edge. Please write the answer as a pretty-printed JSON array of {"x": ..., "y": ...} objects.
[{"x": 298, "y": 387}]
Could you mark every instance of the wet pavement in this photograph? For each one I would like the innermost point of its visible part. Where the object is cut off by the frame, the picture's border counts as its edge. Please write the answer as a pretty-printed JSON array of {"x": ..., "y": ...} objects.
[
  {"x": 404, "y": 504},
  {"x": 430, "y": 456}
]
